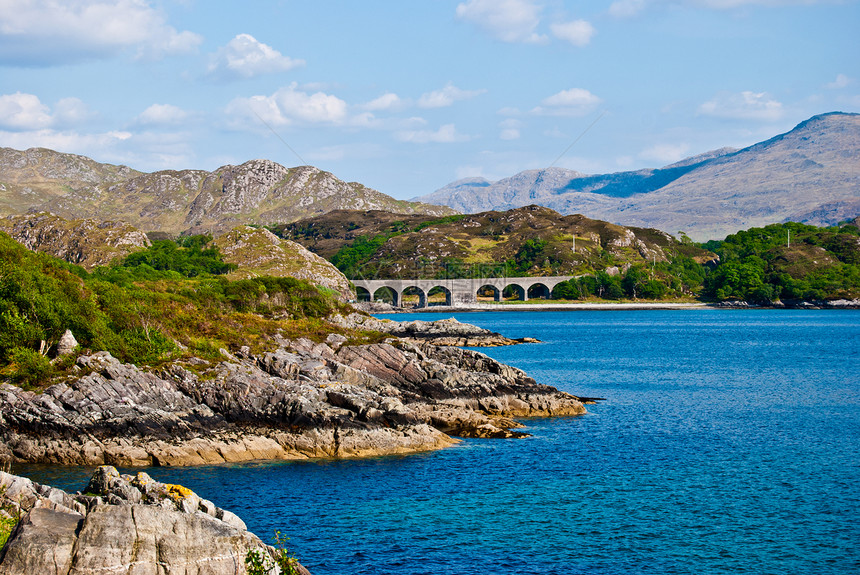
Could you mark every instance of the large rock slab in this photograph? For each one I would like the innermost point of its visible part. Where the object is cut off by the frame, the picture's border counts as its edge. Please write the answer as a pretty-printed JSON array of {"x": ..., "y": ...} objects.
[{"x": 123, "y": 524}]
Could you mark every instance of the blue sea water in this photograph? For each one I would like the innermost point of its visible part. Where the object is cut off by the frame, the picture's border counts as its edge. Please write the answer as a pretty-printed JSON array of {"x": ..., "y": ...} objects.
[{"x": 729, "y": 442}]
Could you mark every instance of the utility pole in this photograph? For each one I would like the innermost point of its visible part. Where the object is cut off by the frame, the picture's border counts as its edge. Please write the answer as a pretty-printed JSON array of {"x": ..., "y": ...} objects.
[{"x": 788, "y": 241}]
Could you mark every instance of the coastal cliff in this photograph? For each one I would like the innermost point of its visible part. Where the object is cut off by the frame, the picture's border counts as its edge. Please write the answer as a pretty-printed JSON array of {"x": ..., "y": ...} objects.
[{"x": 299, "y": 400}]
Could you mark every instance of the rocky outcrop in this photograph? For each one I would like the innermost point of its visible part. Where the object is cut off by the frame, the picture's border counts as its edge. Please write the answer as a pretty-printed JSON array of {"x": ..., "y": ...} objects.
[
  {"x": 444, "y": 332},
  {"x": 85, "y": 242},
  {"x": 258, "y": 251},
  {"x": 300, "y": 400},
  {"x": 122, "y": 524}
]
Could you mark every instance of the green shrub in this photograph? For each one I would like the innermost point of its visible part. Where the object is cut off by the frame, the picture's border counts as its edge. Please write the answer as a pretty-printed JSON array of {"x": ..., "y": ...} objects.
[{"x": 29, "y": 368}]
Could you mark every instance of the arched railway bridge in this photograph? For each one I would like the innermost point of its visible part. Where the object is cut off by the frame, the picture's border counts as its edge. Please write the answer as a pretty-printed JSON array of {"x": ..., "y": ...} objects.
[{"x": 457, "y": 291}]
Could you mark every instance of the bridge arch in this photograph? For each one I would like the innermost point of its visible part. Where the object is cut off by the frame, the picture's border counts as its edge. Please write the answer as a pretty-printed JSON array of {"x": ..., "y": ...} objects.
[
  {"x": 414, "y": 290},
  {"x": 489, "y": 290},
  {"x": 362, "y": 294},
  {"x": 516, "y": 291},
  {"x": 436, "y": 290},
  {"x": 538, "y": 291},
  {"x": 387, "y": 294}
]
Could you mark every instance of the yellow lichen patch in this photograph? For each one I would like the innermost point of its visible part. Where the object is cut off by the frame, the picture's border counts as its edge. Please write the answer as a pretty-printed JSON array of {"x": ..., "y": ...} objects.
[{"x": 177, "y": 492}]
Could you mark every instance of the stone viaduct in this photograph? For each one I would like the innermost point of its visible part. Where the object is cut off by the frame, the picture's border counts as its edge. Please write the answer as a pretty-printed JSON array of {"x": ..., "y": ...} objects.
[{"x": 459, "y": 291}]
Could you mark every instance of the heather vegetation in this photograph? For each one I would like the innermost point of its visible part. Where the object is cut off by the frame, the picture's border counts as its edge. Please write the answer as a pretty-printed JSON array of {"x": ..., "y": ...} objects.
[
  {"x": 144, "y": 310},
  {"x": 788, "y": 261}
]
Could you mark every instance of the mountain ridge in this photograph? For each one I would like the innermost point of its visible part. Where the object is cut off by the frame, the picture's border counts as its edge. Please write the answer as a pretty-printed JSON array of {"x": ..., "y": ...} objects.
[
  {"x": 809, "y": 174},
  {"x": 257, "y": 192}
]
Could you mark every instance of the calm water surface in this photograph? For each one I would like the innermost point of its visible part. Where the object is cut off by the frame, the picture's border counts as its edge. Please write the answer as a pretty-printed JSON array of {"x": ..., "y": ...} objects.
[{"x": 728, "y": 443}]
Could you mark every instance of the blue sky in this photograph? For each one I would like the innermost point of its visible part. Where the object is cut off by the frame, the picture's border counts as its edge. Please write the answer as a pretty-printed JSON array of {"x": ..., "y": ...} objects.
[{"x": 406, "y": 97}]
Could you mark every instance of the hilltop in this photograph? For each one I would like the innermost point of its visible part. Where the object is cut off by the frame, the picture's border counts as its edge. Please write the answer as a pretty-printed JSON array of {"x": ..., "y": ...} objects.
[
  {"x": 188, "y": 201},
  {"x": 532, "y": 240},
  {"x": 810, "y": 174}
]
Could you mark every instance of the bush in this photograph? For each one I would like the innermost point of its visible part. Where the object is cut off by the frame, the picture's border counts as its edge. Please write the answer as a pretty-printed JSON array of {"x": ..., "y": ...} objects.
[{"x": 29, "y": 368}]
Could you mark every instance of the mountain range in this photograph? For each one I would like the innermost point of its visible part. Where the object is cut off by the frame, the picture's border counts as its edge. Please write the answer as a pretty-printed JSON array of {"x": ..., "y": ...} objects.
[
  {"x": 810, "y": 174},
  {"x": 257, "y": 192}
]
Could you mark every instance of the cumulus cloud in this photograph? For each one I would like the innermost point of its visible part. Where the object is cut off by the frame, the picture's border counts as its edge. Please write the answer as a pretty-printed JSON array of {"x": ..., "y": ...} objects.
[
  {"x": 245, "y": 57},
  {"x": 506, "y": 20},
  {"x": 446, "y": 134},
  {"x": 51, "y": 32},
  {"x": 841, "y": 81},
  {"x": 162, "y": 114},
  {"x": 446, "y": 97},
  {"x": 384, "y": 102},
  {"x": 573, "y": 102},
  {"x": 577, "y": 32},
  {"x": 744, "y": 106},
  {"x": 290, "y": 105},
  {"x": 25, "y": 112}
]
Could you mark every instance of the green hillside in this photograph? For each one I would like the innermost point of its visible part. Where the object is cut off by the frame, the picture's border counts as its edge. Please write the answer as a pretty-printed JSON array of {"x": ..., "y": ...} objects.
[{"x": 165, "y": 302}]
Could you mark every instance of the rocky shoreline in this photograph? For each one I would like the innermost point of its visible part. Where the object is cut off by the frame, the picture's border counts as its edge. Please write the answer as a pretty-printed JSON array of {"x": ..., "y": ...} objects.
[
  {"x": 122, "y": 524},
  {"x": 300, "y": 400}
]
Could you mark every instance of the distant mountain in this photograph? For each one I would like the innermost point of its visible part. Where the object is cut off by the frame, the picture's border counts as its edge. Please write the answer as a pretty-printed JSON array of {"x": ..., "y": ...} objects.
[
  {"x": 256, "y": 192},
  {"x": 810, "y": 174}
]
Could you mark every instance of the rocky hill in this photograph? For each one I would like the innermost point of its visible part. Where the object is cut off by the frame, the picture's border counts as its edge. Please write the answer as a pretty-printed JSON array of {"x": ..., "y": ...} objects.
[
  {"x": 85, "y": 242},
  {"x": 90, "y": 243},
  {"x": 532, "y": 240},
  {"x": 256, "y": 192},
  {"x": 260, "y": 252},
  {"x": 810, "y": 174}
]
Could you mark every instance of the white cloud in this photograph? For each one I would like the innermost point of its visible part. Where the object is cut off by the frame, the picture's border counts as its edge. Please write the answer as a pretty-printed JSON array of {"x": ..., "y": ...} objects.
[
  {"x": 245, "y": 57},
  {"x": 627, "y": 8},
  {"x": 446, "y": 134},
  {"x": 384, "y": 102},
  {"x": 71, "y": 112},
  {"x": 510, "y": 129},
  {"x": 577, "y": 32},
  {"x": 841, "y": 81},
  {"x": 446, "y": 96},
  {"x": 509, "y": 111},
  {"x": 506, "y": 20},
  {"x": 288, "y": 106},
  {"x": 65, "y": 141},
  {"x": 49, "y": 32},
  {"x": 744, "y": 106},
  {"x": 573, "y": 102},
  {"x": 25, "y": 112},
  {"x": 162, "y": 114},
  {"x": 666, "y": 153}
]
